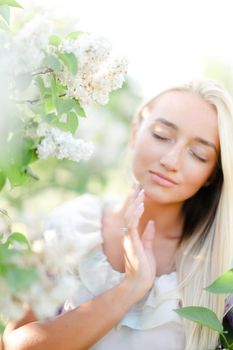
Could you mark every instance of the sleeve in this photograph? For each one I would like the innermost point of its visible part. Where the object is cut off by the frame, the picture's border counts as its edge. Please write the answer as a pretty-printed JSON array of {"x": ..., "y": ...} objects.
[{"x": 72, "y": 230}]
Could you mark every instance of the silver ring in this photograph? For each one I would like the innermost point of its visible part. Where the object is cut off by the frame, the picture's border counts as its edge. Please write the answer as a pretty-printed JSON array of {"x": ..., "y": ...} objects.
[{"x": 124, "y": 229}]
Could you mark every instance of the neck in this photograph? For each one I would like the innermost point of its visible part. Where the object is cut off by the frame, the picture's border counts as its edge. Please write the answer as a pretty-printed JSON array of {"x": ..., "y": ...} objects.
[{"x": 168, "y": 218}]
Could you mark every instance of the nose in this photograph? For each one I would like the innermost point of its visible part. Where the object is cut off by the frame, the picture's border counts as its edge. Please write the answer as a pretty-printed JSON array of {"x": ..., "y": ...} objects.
[{"x": 172, "y": 158}]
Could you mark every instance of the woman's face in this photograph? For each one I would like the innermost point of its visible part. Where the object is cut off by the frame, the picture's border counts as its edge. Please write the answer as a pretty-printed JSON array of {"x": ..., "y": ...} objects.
[{"x": 179, "y": 141}]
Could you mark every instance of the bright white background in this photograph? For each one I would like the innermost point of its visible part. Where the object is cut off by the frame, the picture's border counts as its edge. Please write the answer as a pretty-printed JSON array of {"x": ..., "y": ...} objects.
[{"x": 166, "y": 41}]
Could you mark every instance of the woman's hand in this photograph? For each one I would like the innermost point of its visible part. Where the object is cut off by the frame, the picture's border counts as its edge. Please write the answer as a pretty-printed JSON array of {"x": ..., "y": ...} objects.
[{"x": 140, "y": 264}]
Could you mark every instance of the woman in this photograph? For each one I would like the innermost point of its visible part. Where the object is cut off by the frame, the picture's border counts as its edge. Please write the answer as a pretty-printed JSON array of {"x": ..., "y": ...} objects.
[{"x": 170, "y": 238}]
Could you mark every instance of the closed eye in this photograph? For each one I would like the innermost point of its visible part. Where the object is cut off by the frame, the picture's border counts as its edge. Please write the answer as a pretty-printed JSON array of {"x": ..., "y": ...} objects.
[
  {"x": 196, "y": 156},
  {"x": 160, "y": 137},
  {"x": 204, "y": 160}
]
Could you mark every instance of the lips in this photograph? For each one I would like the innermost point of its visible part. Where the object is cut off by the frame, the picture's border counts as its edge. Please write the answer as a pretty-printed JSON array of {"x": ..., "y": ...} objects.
[{"x": 163, "y": 177}]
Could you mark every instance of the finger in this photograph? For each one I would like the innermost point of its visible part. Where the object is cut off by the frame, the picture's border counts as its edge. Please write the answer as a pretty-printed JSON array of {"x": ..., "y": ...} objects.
[
  {"x": 140, "y": 196},
  {"x": 135, "y": 202},
  {"x": 134, "y": 192},
  {"x": 132, "y": 233},
  {"x": 137, "y": 186},
  {"x": 135, "y": 214},
  {"x": 148, "y": 235},
  {"x": 132, "y": 195},
  {"x": 134, "y": 209}
]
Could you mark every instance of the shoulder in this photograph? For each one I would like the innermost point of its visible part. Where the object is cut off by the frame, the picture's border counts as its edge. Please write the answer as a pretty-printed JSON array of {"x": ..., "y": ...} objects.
[
  {"x": 75, "y": 214},
  {"x": 72, "y": 230}
]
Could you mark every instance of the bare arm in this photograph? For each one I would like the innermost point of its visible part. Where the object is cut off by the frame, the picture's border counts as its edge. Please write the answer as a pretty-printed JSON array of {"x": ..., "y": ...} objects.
[
  {"x": 77, "y": 329},
  {"x": 82, "y": 327}
]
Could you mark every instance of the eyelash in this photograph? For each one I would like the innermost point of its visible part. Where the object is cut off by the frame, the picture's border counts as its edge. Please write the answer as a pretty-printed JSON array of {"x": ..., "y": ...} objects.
[{"x": 167, "y": 139}]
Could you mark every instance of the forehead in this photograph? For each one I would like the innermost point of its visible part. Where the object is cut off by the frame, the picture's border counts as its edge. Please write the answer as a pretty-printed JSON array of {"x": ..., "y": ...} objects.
[{"x": 189, "y": 112}]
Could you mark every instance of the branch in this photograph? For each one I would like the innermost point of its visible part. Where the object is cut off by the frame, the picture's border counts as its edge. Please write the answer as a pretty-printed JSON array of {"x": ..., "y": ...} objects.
[
  {"x": 49, "y": 70},
  {"x": 34, "y": 101}
]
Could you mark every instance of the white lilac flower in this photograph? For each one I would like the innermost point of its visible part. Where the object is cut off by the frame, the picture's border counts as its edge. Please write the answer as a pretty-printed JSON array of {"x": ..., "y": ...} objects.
[
  {"x": 43, "y": 129},
  {"x": 98, "y": 71},
  {"x": 46, "y": 148},
  {"x": 62, "y": 145},
  {"x": 10, "y": 303},
  {"x": 28, "y": 44},
  {"x": 67, "y": 247},
  {"x": 10, "y": 309},
  {"x": 49, "y": 292},
  {"x": 90, "y": 51}
]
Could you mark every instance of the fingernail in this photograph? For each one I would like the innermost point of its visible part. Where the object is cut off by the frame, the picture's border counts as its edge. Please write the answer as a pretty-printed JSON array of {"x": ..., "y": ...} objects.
[
  {"x": 140, "y": 207},
  {"x": 141, "y": 192},
  {"x": 151, "y": 222}
]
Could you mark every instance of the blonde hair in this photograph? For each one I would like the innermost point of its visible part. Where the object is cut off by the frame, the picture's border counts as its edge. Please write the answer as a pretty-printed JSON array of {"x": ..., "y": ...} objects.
[{"x": 208, "y": 253}]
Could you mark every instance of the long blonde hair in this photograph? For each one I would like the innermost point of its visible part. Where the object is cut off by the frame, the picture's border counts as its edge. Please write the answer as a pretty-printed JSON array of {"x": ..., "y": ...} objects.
[{"x": 208, "y": 252}]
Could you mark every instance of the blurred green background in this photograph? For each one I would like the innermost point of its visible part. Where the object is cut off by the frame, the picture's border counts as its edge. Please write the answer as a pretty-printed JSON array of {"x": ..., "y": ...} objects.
[{"x": 107, "y": 172}]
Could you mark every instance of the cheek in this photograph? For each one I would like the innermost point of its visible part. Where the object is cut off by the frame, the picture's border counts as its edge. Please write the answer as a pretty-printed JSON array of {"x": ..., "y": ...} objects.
[
  {"x": 143, "y": 158},
  {"x": 195, "y": 177}
]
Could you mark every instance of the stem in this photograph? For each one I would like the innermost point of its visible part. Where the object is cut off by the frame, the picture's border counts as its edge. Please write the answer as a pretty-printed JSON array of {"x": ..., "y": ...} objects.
[
  {"x": 49, "y": 70},
  {"x": 34, "y": 101},
  {"x": 28, "y": 101},
  {"x": 225, "y": 339}
]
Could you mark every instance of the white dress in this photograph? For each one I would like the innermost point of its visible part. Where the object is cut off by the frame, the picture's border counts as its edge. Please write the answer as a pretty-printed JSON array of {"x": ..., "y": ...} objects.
[{"x": 149, "y": 324}]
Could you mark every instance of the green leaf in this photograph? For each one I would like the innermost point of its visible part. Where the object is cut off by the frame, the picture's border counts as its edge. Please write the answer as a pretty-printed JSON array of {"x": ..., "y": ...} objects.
[
  {"x": 60, "y": 125},
  {"x": 49, "y": 105},
  {"x": 23, "y": 81},
  {"x": 61, "y": 89},
  {"x": 28, "y": 156},
  {"x": 74, "y": 35},
  {"x": 15, "y": 176},
  {"x": 44, "y": 91},
  {"x": 6, "y": 256},
  {"x": 30, "y": 143},
  {"x": 11, "y": 3},
  {"x": 70, "y": 60},
  {"x": 19, "y": 238},
  {"x": 72, "y": 122},
  {"x": 20, "y": 278},
  {"x": 41, "y": 86},
  {"x": 80, "y": 111},
  {"x": 53, "y": 88},
  {"x": 53, "y": 63},
  {"x": 5, "y": 13},
  {"x": 50, "y": 118},
  {"x": 54, "y": 40},
  {"x": 223, "y": 284},
  {"x": 202, "y": 316},
  {"x": 64, "y": 105},
  {"x": 2, "y": 180}
]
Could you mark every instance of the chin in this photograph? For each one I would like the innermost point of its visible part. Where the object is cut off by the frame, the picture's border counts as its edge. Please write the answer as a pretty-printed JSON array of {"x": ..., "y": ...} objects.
[{"x": 155, "y": 194}]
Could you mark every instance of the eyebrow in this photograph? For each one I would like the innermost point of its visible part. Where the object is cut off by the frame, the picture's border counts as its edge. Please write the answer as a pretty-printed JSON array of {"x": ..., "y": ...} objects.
[{"x": 198, "y": 139}]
